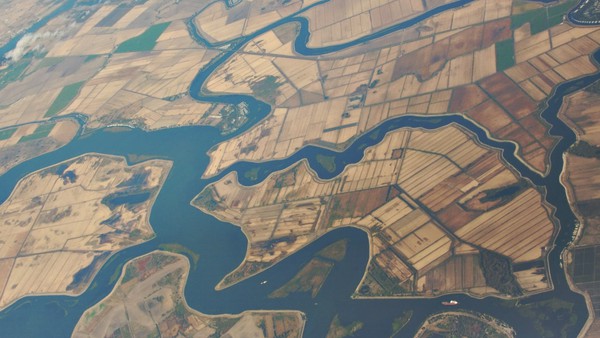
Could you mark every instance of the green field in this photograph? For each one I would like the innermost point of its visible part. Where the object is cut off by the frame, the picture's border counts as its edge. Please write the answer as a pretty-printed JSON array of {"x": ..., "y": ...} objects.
[
  {"x": 542, "y": 18},
  {"x": 41, "y": 131},
  {"x": 13, "y": 72},
  {"x": 67, "y": 94},
  {"x": 7, "y": 133},
  {"x": 505, "y": 54},
  {"x": 143, "y": 42},
  {"x": 90, "y": 58}
]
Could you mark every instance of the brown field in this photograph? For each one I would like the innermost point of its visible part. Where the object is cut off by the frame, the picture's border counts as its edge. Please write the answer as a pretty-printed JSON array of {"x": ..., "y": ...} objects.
[
  {"x": 432, "y": 204},
  {"x": 59, "y": 225},
  {"x": 148, "y": 300},
  {"x": 581, "y": 174},
  {"x": 447, "y": 64},
  {"x": 582, "y": 180}
]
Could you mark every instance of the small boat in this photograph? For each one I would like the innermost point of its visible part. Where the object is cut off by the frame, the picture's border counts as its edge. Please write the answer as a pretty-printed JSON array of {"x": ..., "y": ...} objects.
[
  {"x": 450, "y": 303},
  {"x": 263, "y": 282}
]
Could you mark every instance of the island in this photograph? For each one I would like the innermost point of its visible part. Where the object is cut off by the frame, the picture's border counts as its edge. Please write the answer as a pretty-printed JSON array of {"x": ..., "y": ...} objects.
[
  {"x": 61, "y": 223},
  {"x": 461, "y": 324},
  {"x": 148, "y": 301},
  {"x": 444, "y": 214}
]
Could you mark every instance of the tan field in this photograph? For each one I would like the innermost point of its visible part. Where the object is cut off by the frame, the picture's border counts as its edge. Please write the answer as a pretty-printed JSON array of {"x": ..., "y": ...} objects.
[
  {"x": 427, "y": 199},
  {"x": 23, "y": 14},
  {"x": 582, "y": 180},
  {"x": 446, "y": 64},
  {"x": 66, "y": 220},
  {"x": 148, "y": 298},
  {"x": 146, "y": 89},
  {"x": 26, "y": 142},
  {"x": 219, "y": 24},
  {"x": 339, "y": 21},
  {"x": 581, "y": 174}
]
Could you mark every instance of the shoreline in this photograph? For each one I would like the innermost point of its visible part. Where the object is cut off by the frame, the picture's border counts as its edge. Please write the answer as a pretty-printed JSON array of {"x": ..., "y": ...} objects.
[
  {"x": 181, "y": 293},
  {"x": 168, "y": 165},
  {"x": 305, "y": 162}
]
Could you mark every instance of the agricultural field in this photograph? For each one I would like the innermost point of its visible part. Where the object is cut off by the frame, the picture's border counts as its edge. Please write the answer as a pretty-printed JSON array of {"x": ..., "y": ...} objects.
[
  {"x": 219, "y": 23},
  {"x": 19, "y": 144},
  {"x": 61, "y": 223},
  {"x": 23, "y": 14},
  {"x": 148, "y": 301},
  {"x": 127, "y": 64},
  {"x": 490, "y": 61},
  {"x": 582, "y": 179},
  {"x": 445, "y": 214},
  {"x": 463, "y": 324}
]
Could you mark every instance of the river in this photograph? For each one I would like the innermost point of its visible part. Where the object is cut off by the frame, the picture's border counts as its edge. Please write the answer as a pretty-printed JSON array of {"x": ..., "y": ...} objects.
[{"x": 222, "y": 246}]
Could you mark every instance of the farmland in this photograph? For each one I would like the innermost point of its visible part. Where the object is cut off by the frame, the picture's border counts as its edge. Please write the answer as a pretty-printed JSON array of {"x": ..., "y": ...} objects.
[
  {"x": 22, "y": 143},
  {"x": 148, "y": 300},
  {"x": 22, "y": 15},
  {"x": 480, "y": 61},
  {"x": 61, "y": 223},
  {"x": 434, "y": 202},
  {"x": 582, "y": 179},
  {"x": 127, "y": 64}
]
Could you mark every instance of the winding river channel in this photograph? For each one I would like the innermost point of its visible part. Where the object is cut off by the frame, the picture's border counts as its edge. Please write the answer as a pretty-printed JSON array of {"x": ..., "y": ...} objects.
[{"x": 222, "y": 246}]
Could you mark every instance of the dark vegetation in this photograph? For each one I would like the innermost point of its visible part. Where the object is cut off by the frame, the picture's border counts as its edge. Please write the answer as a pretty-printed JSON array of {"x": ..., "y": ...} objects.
[
  {"x": 84, "y": 275},
  {"x": 136, "y": 180},
  {"x": 551, "y": 318},
  {"x": 206, "y": 200},
  {"x": 584, "y": 149},
  {"x": 400, "y": 321},
  {"x": 128, "y": 198},
  {"x": 339, "y": 330},
  {"x": 504, "y": 194},
  {"x": 497, "y": 271},
  {"x": 312, "y": 276},
  {"x": 266, "y": 88}
]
